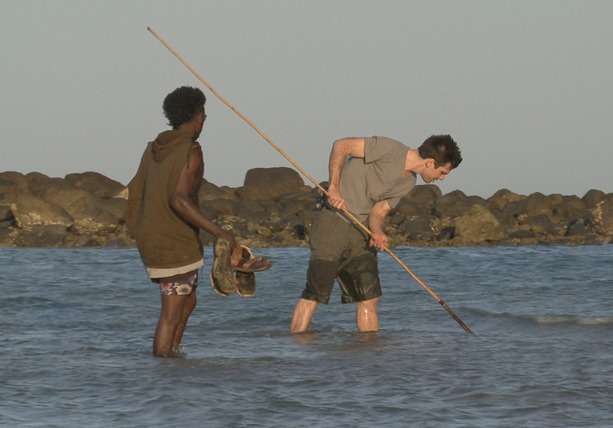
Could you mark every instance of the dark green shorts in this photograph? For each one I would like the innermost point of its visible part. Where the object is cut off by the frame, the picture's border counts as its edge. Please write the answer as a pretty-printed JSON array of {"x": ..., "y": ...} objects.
[{"x": 340, "y": 251}]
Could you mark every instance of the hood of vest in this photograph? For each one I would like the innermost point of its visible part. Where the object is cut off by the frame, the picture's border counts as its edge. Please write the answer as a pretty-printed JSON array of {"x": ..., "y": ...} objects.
[{"x": 168, "y": 141}]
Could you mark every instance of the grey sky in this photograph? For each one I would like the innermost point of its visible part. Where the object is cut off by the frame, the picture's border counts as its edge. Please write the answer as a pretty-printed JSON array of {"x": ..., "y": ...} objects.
[{"x": 525, "y": 87}]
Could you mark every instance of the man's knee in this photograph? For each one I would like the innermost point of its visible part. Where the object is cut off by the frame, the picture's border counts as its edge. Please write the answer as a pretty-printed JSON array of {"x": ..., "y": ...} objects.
[
  {"x": 173, "y": 309},
  {"x": 303, "y": 312},
  {"x": 171, "y": 317},
  {"x": 370, "y": 304},
  {"x": 367, "y": 318}
]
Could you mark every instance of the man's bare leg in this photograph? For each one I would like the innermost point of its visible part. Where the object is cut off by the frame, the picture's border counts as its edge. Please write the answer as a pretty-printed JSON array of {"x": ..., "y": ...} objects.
[
  {"x": 170, "y": 317},
  {"x": 188, "y": 308},
  {"x": 366, "y": 316},
  {"x": 303, "y": 313}
]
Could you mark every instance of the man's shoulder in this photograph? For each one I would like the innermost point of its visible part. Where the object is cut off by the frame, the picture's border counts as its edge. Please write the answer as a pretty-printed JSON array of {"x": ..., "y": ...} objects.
[
  {"x": 380, "y": 139},
  {"x": 186, "y": 139},
  {"x": 188, "y": 144},
  {"x": 384, "y": 148},
  {"x": 176, "y": 136}
]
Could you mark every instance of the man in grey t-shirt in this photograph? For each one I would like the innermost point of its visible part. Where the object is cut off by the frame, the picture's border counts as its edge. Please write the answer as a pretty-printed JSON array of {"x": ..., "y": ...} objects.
[{"x": 368, "y": 177}]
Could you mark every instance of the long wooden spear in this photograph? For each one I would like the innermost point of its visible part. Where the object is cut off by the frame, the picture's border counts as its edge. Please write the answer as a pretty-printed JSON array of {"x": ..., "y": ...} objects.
[{"x": 357, "y": 222}]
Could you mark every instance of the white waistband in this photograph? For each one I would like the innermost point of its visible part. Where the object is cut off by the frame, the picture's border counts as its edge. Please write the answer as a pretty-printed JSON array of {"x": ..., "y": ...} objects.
[{"x": 166, "y": 272}]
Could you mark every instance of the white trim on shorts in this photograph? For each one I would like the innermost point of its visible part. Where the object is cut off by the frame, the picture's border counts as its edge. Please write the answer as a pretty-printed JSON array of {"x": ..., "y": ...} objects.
[{"x": 167, "y": 272}]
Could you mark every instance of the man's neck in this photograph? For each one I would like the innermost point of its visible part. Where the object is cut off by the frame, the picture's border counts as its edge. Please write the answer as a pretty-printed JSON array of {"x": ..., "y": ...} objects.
[
  {"x": 414, "y": 162},
  {"x": 188, "y": 128}
]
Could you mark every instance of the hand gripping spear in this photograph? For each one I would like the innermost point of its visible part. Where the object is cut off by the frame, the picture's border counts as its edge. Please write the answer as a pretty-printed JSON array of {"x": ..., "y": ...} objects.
[{"x": 350, "y": 216}]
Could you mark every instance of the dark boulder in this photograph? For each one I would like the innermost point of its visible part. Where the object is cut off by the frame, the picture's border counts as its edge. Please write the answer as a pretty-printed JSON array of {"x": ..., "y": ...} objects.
[
  {"x": 424, "y": 194},
  {"x": 5, "y": 213},
  {"x": 478, "y": 225},
  {"x": 554, "y": 199},
  {"x": 408, "y": 208},
  {"x": 542, "y": 225},
  {"x": 96, "y": 240},
  {"x": 396, "y": 218},
  {"x": 294, "y": 204},
  {"x": 259, "y": 229},
  {"x": 456, "y": 204},
  {"x": 209, "y": 191},
  {"x": 271, "y": 183},
  {"x": 579, "y": 226},
  {"x": 521, "y": 233},
  {"x": 89, "y": 216},
  {"x": 252, "y": 211},
  {"x": 42, "y": 236},
  {"x": 116, "y": 206},
  {"x": 419, "y": 201},
  {"x": 445, "y": 234},
  {"x": 217, "y": 207},
  {"x": 515, "y": 213},
  {"x": 16, "y": 178},
  {"x": 8, "y": 191},
  {"x": 569, "y": 209},
  {"x": 95, "y": 183},
  {"x": 7, "y": 234},
  {"x": 602, "y": 216},
  {"x": 41, "y": 186},
  {"x": 544, "y": 214},
  {"x": 38, "y": 182},
  {"x": 417, "y": 228},
  {"x": 499, "y": 200},
  {"x": 295, "y": 212},
  {"x": 533, "y": 204},
  {"x": 30, "y": 211},
  {"x": 592, "y": 197}
]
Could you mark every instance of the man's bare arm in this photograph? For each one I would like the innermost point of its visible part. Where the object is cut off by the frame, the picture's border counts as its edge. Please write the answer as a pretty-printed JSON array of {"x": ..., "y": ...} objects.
[
  {"x": 341, "y": 149},
  {"x": 376, "y": 220},
  {"x": 182, "y": 199}
]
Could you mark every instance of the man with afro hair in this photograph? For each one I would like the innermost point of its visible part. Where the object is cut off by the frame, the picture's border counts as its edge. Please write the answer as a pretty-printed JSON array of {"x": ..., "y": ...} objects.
[{"x": 164, "y": 215}]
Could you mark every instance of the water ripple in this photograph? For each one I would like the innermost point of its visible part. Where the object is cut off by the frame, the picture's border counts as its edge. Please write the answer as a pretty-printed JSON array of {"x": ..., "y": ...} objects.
[{"x": 76, "y": 338}]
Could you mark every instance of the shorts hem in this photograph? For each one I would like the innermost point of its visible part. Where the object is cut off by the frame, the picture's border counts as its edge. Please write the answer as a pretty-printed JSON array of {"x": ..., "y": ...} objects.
[
  {"x": 350, "y": 299},
  {"x": 307, "y": 295}
]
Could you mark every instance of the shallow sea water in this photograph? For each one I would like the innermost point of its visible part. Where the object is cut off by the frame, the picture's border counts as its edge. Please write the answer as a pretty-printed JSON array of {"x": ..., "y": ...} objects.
[{"x": 76, "y": 328}]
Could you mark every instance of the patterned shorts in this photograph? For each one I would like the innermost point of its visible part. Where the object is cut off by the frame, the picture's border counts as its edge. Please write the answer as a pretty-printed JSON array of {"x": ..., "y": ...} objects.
[{"x": 179, "y": 285}]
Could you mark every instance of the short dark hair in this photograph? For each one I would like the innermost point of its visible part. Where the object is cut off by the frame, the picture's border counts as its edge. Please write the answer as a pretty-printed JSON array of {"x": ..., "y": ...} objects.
[
  {"x": 182, "y": 104},
  {"x": 442, "y": 149}
]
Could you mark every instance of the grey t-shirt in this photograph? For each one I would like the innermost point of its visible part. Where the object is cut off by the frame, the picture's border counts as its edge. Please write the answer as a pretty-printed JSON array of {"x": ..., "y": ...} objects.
[{"x": 379, "y": 176}]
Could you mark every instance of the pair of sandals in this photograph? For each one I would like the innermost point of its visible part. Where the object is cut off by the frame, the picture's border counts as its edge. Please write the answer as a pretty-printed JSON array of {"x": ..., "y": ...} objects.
[{"x": 238, "y": 279}]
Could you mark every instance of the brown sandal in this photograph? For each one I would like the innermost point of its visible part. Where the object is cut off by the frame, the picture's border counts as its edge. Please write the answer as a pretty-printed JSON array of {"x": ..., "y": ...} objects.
[
  {"x": 222, "y": 276},
  {"x": 251, "y": 263}
]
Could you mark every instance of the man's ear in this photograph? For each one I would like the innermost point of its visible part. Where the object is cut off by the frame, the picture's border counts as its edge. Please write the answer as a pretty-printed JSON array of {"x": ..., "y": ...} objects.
[{"x": 430, "y": 163}]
